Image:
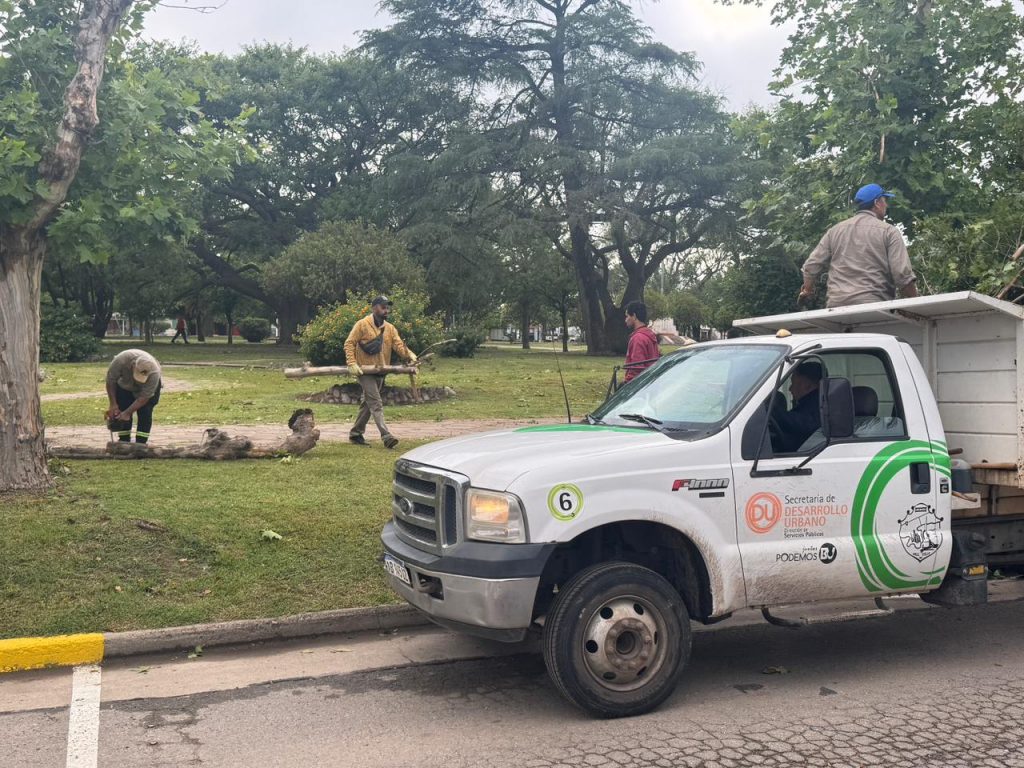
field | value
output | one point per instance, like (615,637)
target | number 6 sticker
(565,501)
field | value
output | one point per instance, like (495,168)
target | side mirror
(754,431)
(836,401)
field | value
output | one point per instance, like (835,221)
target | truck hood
(495,459)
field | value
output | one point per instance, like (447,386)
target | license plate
(397,568)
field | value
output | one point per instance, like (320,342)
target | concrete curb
(25,653)
(337,622)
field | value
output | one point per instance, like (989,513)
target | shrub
(322,340)
(65,337)
(254,329)
(466,341)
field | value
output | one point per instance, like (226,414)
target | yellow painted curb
(59,651)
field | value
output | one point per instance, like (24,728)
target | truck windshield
(695,389)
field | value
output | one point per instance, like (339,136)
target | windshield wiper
(650,421)
(592,419)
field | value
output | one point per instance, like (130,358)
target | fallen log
(342,370)
(216,445)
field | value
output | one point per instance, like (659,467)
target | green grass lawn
(142,544)
(500,382)
(77,559)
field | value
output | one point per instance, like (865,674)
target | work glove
(354,368)
(412,356)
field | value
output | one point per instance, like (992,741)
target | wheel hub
(621,643)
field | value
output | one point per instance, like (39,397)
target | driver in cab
(804,417)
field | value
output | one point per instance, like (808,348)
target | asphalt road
(920,689)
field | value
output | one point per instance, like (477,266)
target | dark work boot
(357,439)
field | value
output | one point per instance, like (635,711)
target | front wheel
(617,639)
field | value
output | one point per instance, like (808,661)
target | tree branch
(59,166)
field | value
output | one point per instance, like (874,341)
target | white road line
(84,720)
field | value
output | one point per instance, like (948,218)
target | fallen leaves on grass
(196,653)
(270,535)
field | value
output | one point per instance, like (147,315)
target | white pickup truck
(686,496)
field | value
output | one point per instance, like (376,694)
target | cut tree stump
(216,445)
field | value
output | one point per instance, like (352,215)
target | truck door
(860,517)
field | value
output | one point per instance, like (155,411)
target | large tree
(340,260)
(921,96)
(153,151)
(337,138)
(596,132)
(37,168)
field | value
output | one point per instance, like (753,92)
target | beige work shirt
(866,259)
(366,330)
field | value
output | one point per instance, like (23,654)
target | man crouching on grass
(133,387)
(370,343)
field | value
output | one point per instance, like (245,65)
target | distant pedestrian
(133,388)
(865,256)
(369,344)
(181,330)
(642,349)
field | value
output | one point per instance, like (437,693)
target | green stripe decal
(876,569)
(577,428)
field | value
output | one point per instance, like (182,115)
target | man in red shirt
(643,343)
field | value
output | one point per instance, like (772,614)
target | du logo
(763,511)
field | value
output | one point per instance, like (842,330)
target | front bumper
(485,589)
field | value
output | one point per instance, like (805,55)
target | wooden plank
(999,479)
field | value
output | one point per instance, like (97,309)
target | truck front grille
(426,504)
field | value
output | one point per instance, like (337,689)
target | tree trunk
(200,326)
(216,445)
(616,334)
(524,325)
(101,320)
(564,312)
(230,317)
(22,250)
(289,316)
(22,450)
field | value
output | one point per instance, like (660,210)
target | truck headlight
(494,516)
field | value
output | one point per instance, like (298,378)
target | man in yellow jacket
(370,343)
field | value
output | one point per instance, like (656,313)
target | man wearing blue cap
(865,256)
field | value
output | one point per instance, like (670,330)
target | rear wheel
(617,639)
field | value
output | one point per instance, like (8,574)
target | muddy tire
(617,639)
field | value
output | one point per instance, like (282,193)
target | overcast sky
(738,45)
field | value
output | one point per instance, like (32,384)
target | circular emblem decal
(565,501)
(763,511)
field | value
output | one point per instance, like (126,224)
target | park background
(507,165)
